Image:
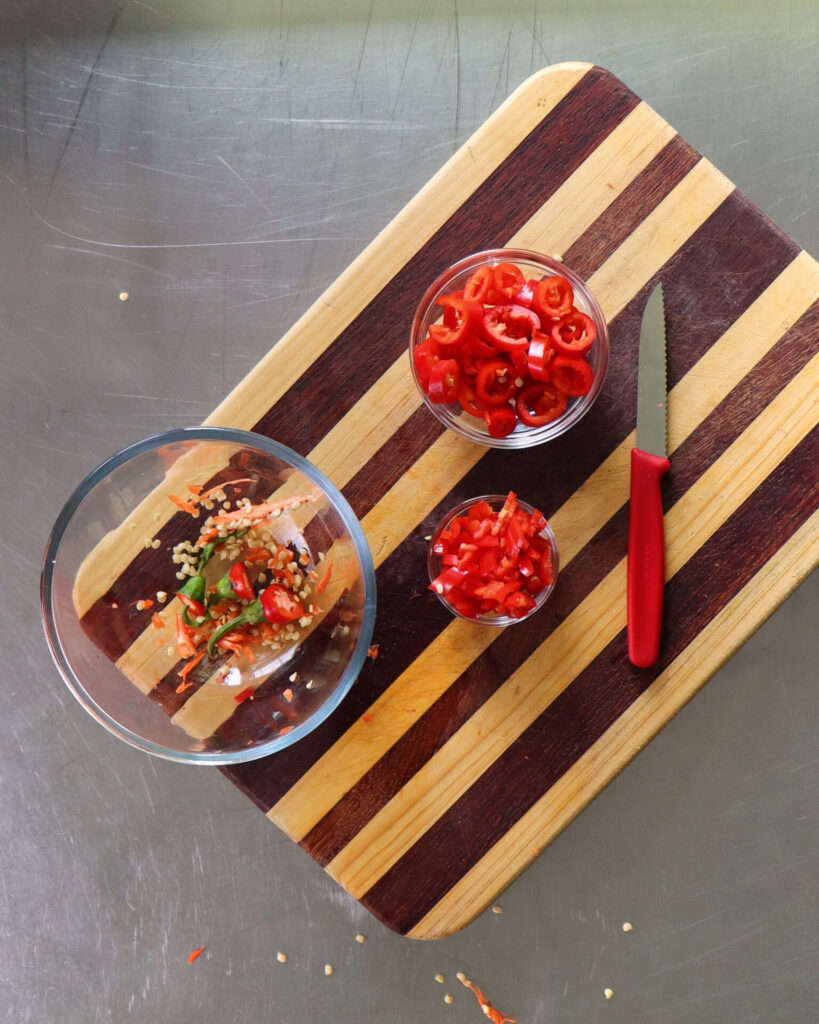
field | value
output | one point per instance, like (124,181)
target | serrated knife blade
(646,539)
(651,379)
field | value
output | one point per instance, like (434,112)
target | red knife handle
(646,558)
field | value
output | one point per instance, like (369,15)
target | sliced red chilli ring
(468,399)
(508,279)
(573,334)
(540,403)
(444,381)
(573,377)
(495,382)
(509,327)
(553,298)
(540,355)
(479,284)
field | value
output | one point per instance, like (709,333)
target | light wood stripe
(394,246)
(375,417)
(635,728)
(573,645)
(418,491)
(594,503)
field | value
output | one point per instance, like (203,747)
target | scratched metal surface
(222,168)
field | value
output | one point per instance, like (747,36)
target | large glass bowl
(533,266)
(110,609)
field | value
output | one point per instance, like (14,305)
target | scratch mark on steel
(239,178)
(112,24)
(363,46)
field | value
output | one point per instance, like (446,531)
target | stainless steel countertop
(222,164)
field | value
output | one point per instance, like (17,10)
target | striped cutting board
(463,751)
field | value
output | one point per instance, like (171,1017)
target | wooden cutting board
(462,751)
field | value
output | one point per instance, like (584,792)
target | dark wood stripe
(392,460)
(631,207)
(514,646)
(500,205)
(596,698)
(547,476)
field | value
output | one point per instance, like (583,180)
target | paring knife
(646,539)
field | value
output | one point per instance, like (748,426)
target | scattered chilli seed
(497,909)
(627,926)
(447,998)
(360,939)
(607,992)
(281,958)
(328,969)
(440,979)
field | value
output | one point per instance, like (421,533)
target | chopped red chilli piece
(196,953)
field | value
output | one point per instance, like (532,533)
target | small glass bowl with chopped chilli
(493,560)
(509,348)
(208,595)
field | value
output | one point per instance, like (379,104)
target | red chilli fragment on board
(196,953)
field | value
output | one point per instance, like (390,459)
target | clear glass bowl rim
(535,435)
(233,436)
(496,620)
